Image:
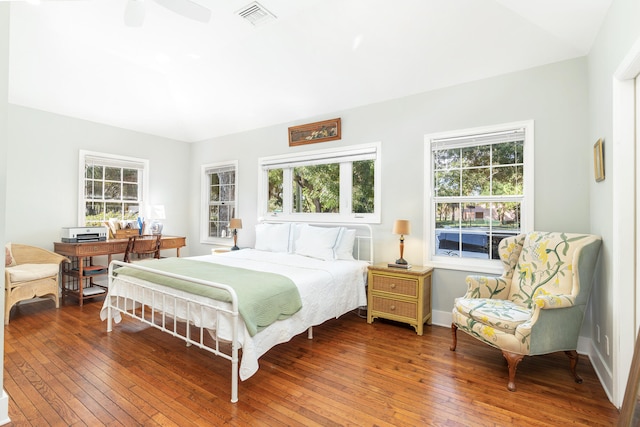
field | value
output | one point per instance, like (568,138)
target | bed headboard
(363,246)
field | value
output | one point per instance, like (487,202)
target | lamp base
(234,248)
(156,228)
(401,261)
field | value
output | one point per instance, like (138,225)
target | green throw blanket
(263,297)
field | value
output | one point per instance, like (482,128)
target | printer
(84,234)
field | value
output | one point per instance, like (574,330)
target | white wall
(618,33)
(554,96)
(42,172)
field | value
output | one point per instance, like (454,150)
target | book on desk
(401,266)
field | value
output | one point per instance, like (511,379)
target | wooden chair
(33,272)
(143,246)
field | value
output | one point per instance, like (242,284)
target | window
(219,195)
(480,190)
(341,185)
(111,187)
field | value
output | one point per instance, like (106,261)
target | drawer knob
(392,286)
(393,307)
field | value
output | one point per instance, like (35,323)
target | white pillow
(317,242)
(344,246)
(294,234)
(272,237)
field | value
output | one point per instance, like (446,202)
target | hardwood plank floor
(63,369)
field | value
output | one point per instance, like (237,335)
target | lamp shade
(157,212)
(402,226)
(235,223)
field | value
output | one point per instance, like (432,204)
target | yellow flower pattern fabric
(544,264)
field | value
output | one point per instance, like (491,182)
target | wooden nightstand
(400,295)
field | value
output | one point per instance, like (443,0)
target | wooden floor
(63,369)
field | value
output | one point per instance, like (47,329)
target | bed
(204,300)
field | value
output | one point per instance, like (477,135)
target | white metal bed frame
(192,334)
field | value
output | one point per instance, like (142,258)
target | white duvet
(328,289)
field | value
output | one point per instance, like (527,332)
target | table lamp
(235,223)
(402,227)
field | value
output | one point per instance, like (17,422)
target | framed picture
(327,130)
(598,160)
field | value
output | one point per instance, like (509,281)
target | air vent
(256,14)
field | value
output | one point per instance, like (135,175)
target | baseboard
(585,347)
(441,318)
(603,372)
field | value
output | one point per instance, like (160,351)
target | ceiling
(190,81)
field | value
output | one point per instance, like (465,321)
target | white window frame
(527,206)
(204,191)
(342,155)
(110,160)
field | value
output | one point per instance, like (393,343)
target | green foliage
(485,170)
(316,188)
(363,186)
(276,177)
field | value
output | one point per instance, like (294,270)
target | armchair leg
(454,343)
(573,362)
(512,361)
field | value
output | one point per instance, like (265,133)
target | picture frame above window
(598,160)
(326,130)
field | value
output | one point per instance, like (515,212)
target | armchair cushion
(503,315)
(28,272)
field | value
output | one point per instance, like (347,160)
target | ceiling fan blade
(188,9)
(134,13)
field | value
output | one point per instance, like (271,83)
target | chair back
(143,245)
(550,264)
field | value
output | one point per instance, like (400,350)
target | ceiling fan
(135,11)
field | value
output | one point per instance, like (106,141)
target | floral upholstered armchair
(537,305)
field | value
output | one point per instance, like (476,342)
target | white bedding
(328,289)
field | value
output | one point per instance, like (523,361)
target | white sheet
(328,289)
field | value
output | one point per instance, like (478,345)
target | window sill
(485,267)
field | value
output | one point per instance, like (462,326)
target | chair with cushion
(30,272)
(538,304)
(142,246)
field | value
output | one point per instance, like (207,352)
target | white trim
(82,158)
(527,224)
(623,279)
(204,200)
(316,156)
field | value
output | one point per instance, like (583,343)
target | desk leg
(178,252)
(80,279)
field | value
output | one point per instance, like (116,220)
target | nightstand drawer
(395,285)
(394,307)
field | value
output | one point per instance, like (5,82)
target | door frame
(624,277)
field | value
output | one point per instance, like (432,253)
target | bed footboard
(193,320)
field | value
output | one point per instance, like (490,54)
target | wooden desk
(79,273)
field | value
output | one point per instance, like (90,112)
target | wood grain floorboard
(63,369)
